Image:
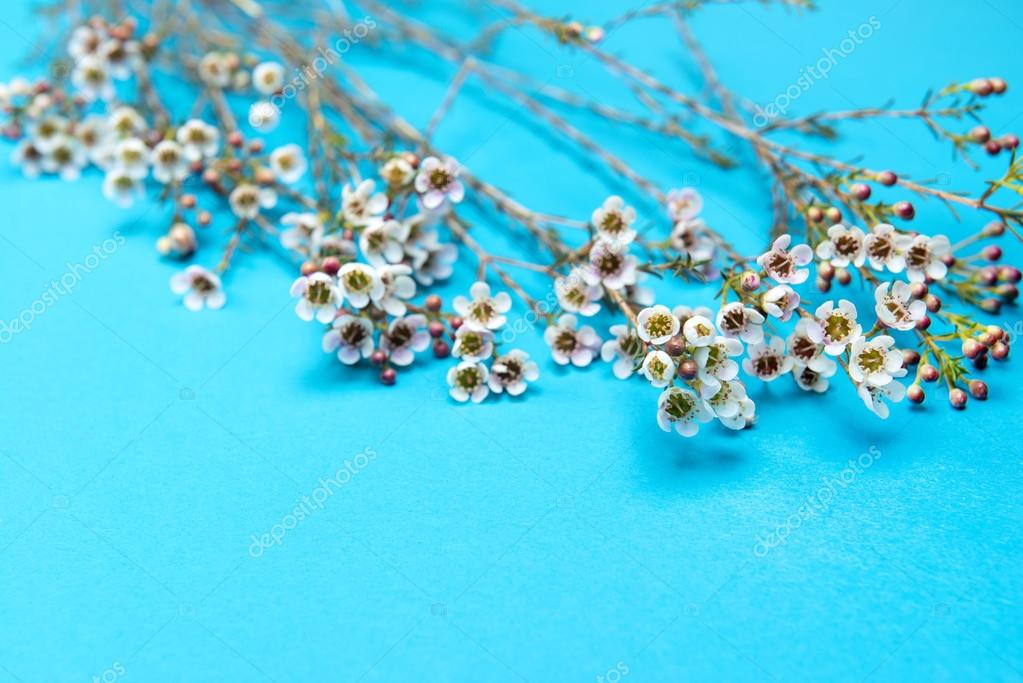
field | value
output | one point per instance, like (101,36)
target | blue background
(553,538)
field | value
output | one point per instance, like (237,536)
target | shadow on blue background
(557,538)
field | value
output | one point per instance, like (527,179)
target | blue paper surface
(563,536)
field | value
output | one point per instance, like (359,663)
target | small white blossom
(264,116)
(656,324)
(894,308)
(690,237)
(246,200)
(437,181)
(214,69)
(91,78)
(169,162)
(576,295)
(397,172)
(29,158)
(699,330)
(875,361)
(361,205)
(288,163)
(122,187)
(768,361)
(884,247)
(738,320)
(747,412)
(780,301)
(809,353)
(784,264)
(92,134)
(434,262)
(48,132)
(809,379)
(200,288)
(472,344)
(351,337)
(483,311)
(714,362)
(320,297)
(511,371)
(924,257)
(727,400)
(199,139)
(682,410)
(268,77)
(132,156)
(844,246)
(873,397)
(625,349)
(610,265)
(126,122)
(613,220)
(468,380)
(84,41)
(684,204)
(66,159)
(571,345)
(383,241)
(360,284)
(658,368)
(398,288)
(121,56)
(304,231)
(836,328)
(405,337)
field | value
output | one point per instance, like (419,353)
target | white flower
(303,232)
(923,257)
(571,345)
(511,371)
(91,79)
(836,328)
(122,56)
(656,324)
(333,245)
(727,400)
(84,41)
(483,311)
(894,308)
(264,116)
(699,330)
(658,368)
(843,246)
(684,204)
(214,69)
(320,297)
(575,295)
(714,362)
(405,337)
(199,139)
(359,205)
(884,247)
(809,379)
(873,396)
(66,159)
(351,337)
(200,287)
(268,77)
(125,122)
(689,237)
(682,410)
(169,163)
(360,284)
(747,410)
(92,133)
(784,264)
(397,172)
(625,349)
(383,241)
(398,287)
(737,320)
(472,344)
(468,380)
(875,362)
(29,158)
(809,353)
(132,156)
(780,301)
(288,163)
(613,220)
(434,262)
(48,132)
(768,361)
(437,181)
(246,200)
(610,265)
(121,187)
